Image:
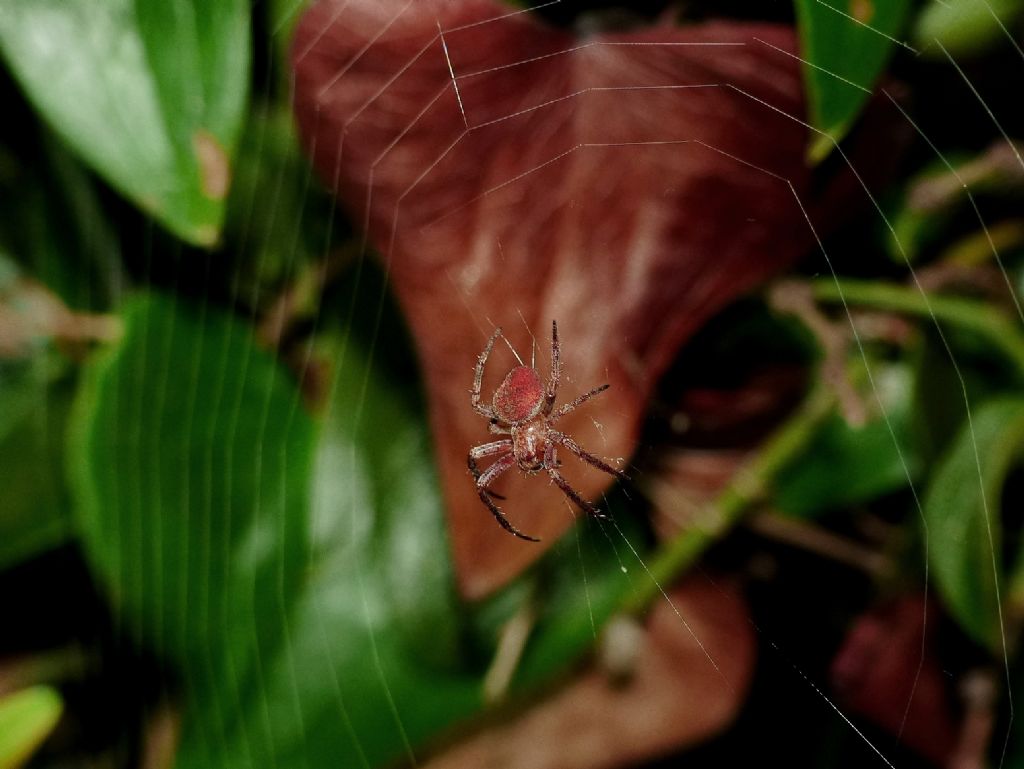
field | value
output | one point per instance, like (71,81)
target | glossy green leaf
(26,719)
(844,466)
(965,27)
(846,45)
(962,512)
(150,94)
(190,458)
(349,690)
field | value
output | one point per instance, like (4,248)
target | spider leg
(486,450)
(550,464)
(556,370)
(492,472)
(578,402)
(478,377)
(586,456)
(502,520)
(574,495)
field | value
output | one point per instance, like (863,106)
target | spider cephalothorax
(523,407)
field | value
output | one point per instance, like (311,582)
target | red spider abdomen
(520,396)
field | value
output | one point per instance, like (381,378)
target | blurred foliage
(190,443)
(248,484)
(36,394)
(848,464)
(26,718)
(151,95)
(151,175)
(846,44)
(965,28)
(961,510)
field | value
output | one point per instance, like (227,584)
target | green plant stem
(994,326)
(747,489)
(753,482)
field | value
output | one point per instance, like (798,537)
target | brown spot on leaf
(160,740)
(214,165)
(862,10)
(626,189)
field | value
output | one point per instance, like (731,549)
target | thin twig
(748,488)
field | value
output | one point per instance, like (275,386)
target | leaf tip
(27,718)
(820,146)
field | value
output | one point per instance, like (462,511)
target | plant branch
(747,489)
(994,326)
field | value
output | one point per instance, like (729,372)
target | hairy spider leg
(492,472)
(478,378)
(578,402)
(586,456)
(556,370)
(487,450)
(550,463)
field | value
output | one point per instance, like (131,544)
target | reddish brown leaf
(626,189)
(675,697)
(876,675)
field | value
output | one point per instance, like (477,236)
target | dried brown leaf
(628,190)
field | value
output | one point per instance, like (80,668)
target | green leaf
(26,719)
(962,512)
(285,233)
(282,18)
(34,504)
(150,94)
(373,661)
(966,27)
(846,465)
(190,457)
(846,45)
(80,259)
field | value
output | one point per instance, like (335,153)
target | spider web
(223,737)
(615,534)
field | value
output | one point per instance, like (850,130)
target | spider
(523,407)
